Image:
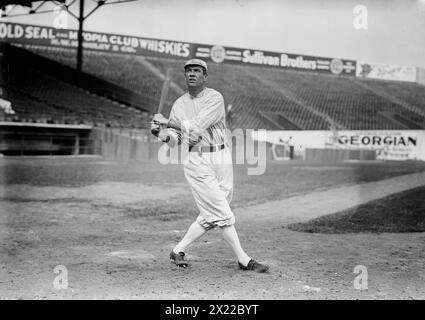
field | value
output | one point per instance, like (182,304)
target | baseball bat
(164,90)
(163,97)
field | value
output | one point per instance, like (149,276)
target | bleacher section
(122,70)
(248,96)
(239,88)
(351,105)
(293,95)
(37,96)
(269,98)
(27,109)
(410,95)
(47,98)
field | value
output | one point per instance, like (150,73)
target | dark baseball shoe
(254,266)
(178,259)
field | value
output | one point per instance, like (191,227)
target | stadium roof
(25,3)
(81,17)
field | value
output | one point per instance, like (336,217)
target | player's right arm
(170,135)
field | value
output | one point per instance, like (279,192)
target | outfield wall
(388,144)
(116,144)
(30,139)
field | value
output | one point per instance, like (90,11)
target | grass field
(112,224)
(401,212)
(281,179)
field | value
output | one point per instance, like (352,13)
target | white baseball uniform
(210,174)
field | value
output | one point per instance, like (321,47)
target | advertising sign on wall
(385,72)
(389,144)
(66,38)
(219,54)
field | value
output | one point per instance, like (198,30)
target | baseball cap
(196,62)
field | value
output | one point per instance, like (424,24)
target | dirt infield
(112,226)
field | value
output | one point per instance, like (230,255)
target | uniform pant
(210,176)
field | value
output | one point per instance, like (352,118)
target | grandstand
(269,98)
(41,93)
(123,70)
(261,97)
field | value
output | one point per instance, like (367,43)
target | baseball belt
(207,148)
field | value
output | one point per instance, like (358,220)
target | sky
(395,31)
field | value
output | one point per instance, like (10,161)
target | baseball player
(197,119)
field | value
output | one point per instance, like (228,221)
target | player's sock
(194,232)
(231,237)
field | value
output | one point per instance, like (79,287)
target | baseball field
(111,226)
